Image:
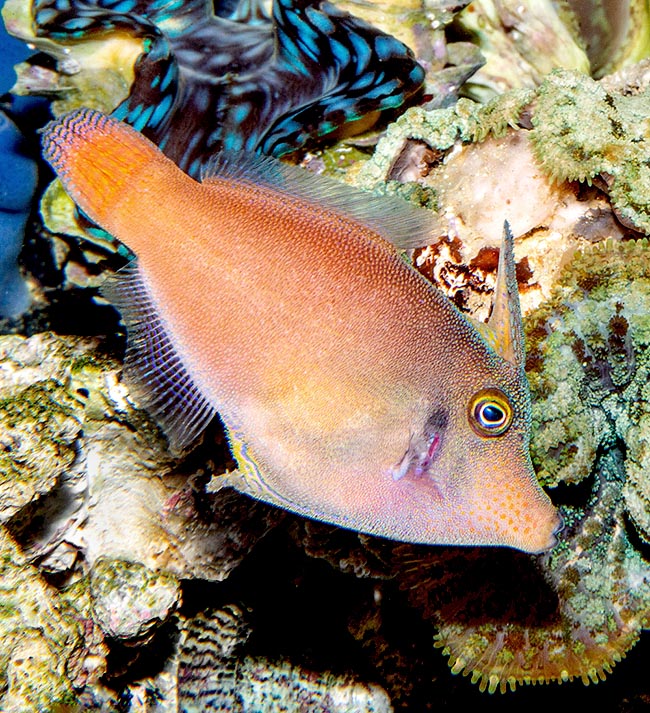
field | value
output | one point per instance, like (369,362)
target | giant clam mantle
(239,79)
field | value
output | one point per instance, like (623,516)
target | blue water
(11,52)
(18,178)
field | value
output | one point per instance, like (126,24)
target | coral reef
(130,600)
(468,161)
(571,615)
(581,607)
(81,460)
(613,149)
(587,360)
(119,570)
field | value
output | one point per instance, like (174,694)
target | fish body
(352,390)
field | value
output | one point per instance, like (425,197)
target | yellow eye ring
(490,413)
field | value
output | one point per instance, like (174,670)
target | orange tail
(98,159)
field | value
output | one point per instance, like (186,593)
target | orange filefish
(352,390)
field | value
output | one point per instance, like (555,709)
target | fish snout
(543,536)
(555,532)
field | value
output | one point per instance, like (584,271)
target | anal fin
(153,369)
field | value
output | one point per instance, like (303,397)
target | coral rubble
(43,652)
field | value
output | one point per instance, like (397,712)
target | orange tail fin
(98,158)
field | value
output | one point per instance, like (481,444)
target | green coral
(581,131)
(500,114)
(588,361)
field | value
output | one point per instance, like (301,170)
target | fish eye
(490,412)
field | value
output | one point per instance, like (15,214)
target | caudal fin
(98,159)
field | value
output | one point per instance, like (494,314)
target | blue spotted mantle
(241,79)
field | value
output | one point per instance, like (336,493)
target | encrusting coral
(615,148)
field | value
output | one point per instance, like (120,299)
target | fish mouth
(554,536)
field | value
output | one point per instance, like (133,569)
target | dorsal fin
(404,225)
(153,369)
(504,330)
